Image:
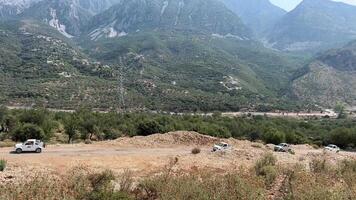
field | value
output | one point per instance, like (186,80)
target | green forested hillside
(158,55)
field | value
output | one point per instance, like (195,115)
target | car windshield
(331,146)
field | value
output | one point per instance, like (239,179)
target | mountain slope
(11,8)
(185,55)
(315,25)
(331,78)
(67,16)
(130,16)
(259,15)
(38,66)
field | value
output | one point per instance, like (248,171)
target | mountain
(186,55)
(11,8)
(330,78)
(174,55)
(259,15)
(38,66)
(130,16)
(67,16)
(315,25)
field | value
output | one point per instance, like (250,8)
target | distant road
(331,114)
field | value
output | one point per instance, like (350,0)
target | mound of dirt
(186,138)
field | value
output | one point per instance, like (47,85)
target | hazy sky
(290,4)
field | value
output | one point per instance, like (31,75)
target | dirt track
(149,155)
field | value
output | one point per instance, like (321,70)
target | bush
(111,134)
(266,168)
(2,165)
(196,151)
(28,131)
(269,173)
(319,166)
(267,160)
(148,127)
(273,136)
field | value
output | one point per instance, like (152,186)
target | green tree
(71,127)
(28,131)
(340,110)
(273,136)
(148,127)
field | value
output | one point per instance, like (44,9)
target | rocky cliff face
(204,16)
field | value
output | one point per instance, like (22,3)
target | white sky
(291,4)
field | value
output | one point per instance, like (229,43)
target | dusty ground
(149,155)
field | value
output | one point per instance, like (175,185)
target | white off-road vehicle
(283,147)
(31,145)
(332,147)
(221,147)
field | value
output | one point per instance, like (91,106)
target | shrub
(7,143)
(2,165)
(126,181)
(266,168)
(267,160)
(319,166)
(148,127)
(196,151)
(273,136)
(269,173)
(28,131)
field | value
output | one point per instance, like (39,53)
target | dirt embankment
(146,156)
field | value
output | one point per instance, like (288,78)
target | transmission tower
(121,88)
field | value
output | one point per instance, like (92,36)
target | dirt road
(149,155)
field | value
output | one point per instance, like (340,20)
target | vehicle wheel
(18,150)
(38,150)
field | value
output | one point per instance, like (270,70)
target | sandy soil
(149,155)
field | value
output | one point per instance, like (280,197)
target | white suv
(30,146)
(221,147)
(332,147)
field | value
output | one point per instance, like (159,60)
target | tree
(148,127)
(273,136)
(28,131)
(340,110)
(70,127)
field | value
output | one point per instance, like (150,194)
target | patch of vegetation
(2,164)
(84,124)
(266,167)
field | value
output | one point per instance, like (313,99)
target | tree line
(85,125)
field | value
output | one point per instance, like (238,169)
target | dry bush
(7,143)
(201,186)
(319,166)
(196,151)
(266,167)
(126,181)
(303,184)
(78,183)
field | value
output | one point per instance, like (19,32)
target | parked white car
(221,147)
(332,147)
(30,146)
(283,147)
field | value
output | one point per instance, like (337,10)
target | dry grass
(321,182)
(7,143)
